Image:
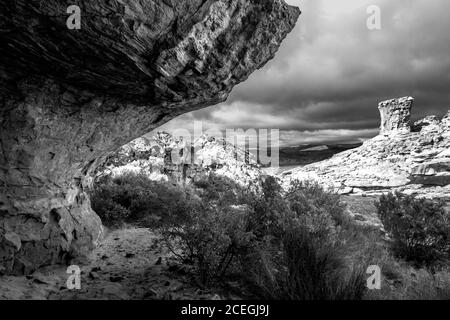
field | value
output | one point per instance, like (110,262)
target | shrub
(107,202)
(311,200)
(135,198)
(267,210)
(309,270)
(218,189)
(419,228)
(212,239)
(303,259)
(110,212)
(212,233)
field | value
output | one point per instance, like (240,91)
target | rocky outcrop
(413,160)
(71,97)
(162,157)
(395,115)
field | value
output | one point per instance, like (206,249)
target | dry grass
(400,280)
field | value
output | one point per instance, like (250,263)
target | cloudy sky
(330,73)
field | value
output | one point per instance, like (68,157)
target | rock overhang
(146,52)
(68,98)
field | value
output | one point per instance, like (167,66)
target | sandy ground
(129,264)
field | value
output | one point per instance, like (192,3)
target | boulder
(429,123)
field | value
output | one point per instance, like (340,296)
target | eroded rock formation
(162,157)
(412,159)
(395,115)
(71,97)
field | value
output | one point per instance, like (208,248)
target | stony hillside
(162,157)
(411,158)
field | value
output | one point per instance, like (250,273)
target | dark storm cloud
(331,71)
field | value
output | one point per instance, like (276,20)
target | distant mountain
(318,148)
(307,154)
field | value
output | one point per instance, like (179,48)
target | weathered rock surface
(71,97)
(162,157)
(395,115)
(415,162)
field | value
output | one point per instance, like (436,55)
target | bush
(419,228)
(312,200)
(136,199)
(212,239)
(306,269)
(105,201)
(213,232)
(293,245)
(219,190)
(302,260)
(267,210)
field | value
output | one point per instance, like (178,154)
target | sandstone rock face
(415,162)
(446,121)
(395,115)
(164,158)
(71,97)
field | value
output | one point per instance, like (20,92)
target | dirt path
(129,264)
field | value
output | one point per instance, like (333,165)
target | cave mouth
(53,141)
(69,98)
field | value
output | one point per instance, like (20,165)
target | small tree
(211,231)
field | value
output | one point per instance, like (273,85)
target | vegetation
(211,232)
(296,244)
(420,228)
(301,257)
(134,198)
